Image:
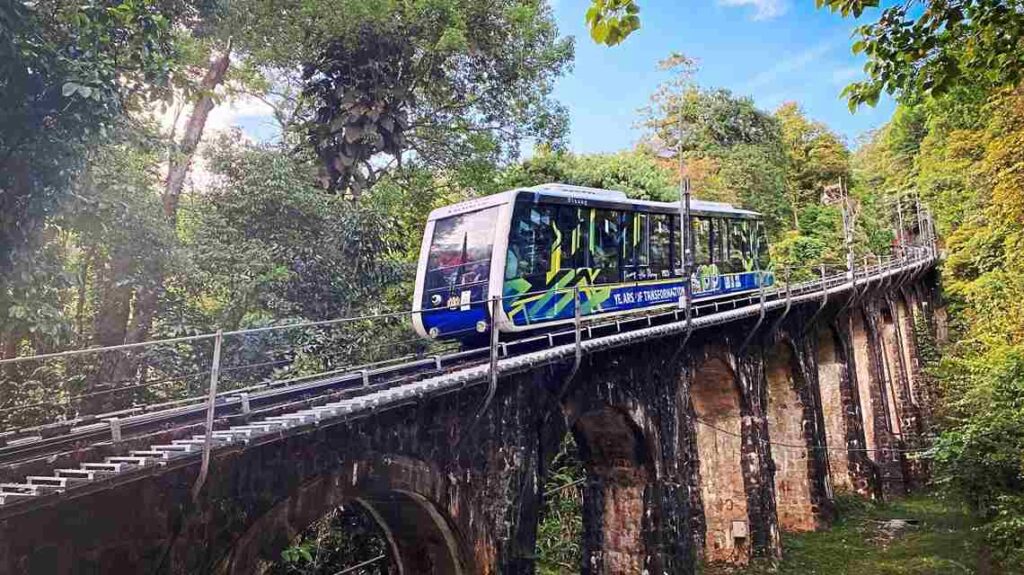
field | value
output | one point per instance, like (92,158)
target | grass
(942,543)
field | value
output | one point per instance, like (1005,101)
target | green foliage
(560,530)
(712,120)
(733,151)
(815,157)
(943,542)
(611,21)
(927,47)
(638,173)
(961,152)
(343,538)
(252,258)
(749,175)
(69,70)
(440,83)
(980,457)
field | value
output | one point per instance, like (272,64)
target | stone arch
(715,396)
(394,491)
(835,405)
(615,456)
(789,430)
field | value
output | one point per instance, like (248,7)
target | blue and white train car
(533,246)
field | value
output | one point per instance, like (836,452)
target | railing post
(789,304)
(211,408)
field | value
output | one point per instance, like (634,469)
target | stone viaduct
(710,451)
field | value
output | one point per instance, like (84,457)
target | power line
(811,447)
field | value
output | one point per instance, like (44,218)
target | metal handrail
(799,293)
(788,288)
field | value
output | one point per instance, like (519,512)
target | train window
(460,250)
(740,254)
(604,245)
(642,239)
(661,245)
(701,241)
(530,241)
(635,247)
(761,239)
(719,242)
(629,247)
(573,236)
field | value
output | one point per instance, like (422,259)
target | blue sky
(771,50)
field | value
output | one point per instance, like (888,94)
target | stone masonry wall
(703,451)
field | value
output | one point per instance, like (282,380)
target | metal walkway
(267,415)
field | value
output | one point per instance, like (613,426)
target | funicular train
(534,246)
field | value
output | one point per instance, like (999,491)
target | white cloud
(763,9)
(228,114)
(843,76)
(789,65)
(225,115)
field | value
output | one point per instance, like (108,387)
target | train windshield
(459,258)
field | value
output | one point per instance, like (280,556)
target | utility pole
(848,223)
(685,230)
(921,235)
(899,223)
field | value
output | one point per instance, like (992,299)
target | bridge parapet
(662,446)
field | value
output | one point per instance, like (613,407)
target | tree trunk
(148,297)
(82,293)
(113,305)
(110,325)
(182,156)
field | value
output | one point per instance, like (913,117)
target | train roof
(597,195)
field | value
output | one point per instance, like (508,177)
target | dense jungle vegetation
(123,219)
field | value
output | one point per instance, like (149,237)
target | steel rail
(231,402)
(465,375)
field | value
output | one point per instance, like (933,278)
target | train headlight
(435,300)
(481,326)
(433,332)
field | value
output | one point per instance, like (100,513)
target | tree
(926,47)
(611,21)
(815,158)
(732,151)
(69,69)
(253,260)
(711,119)
(637,172)
(960,152)
(439,84)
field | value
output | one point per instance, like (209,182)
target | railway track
(49,466)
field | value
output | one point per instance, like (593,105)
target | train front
(454,271)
